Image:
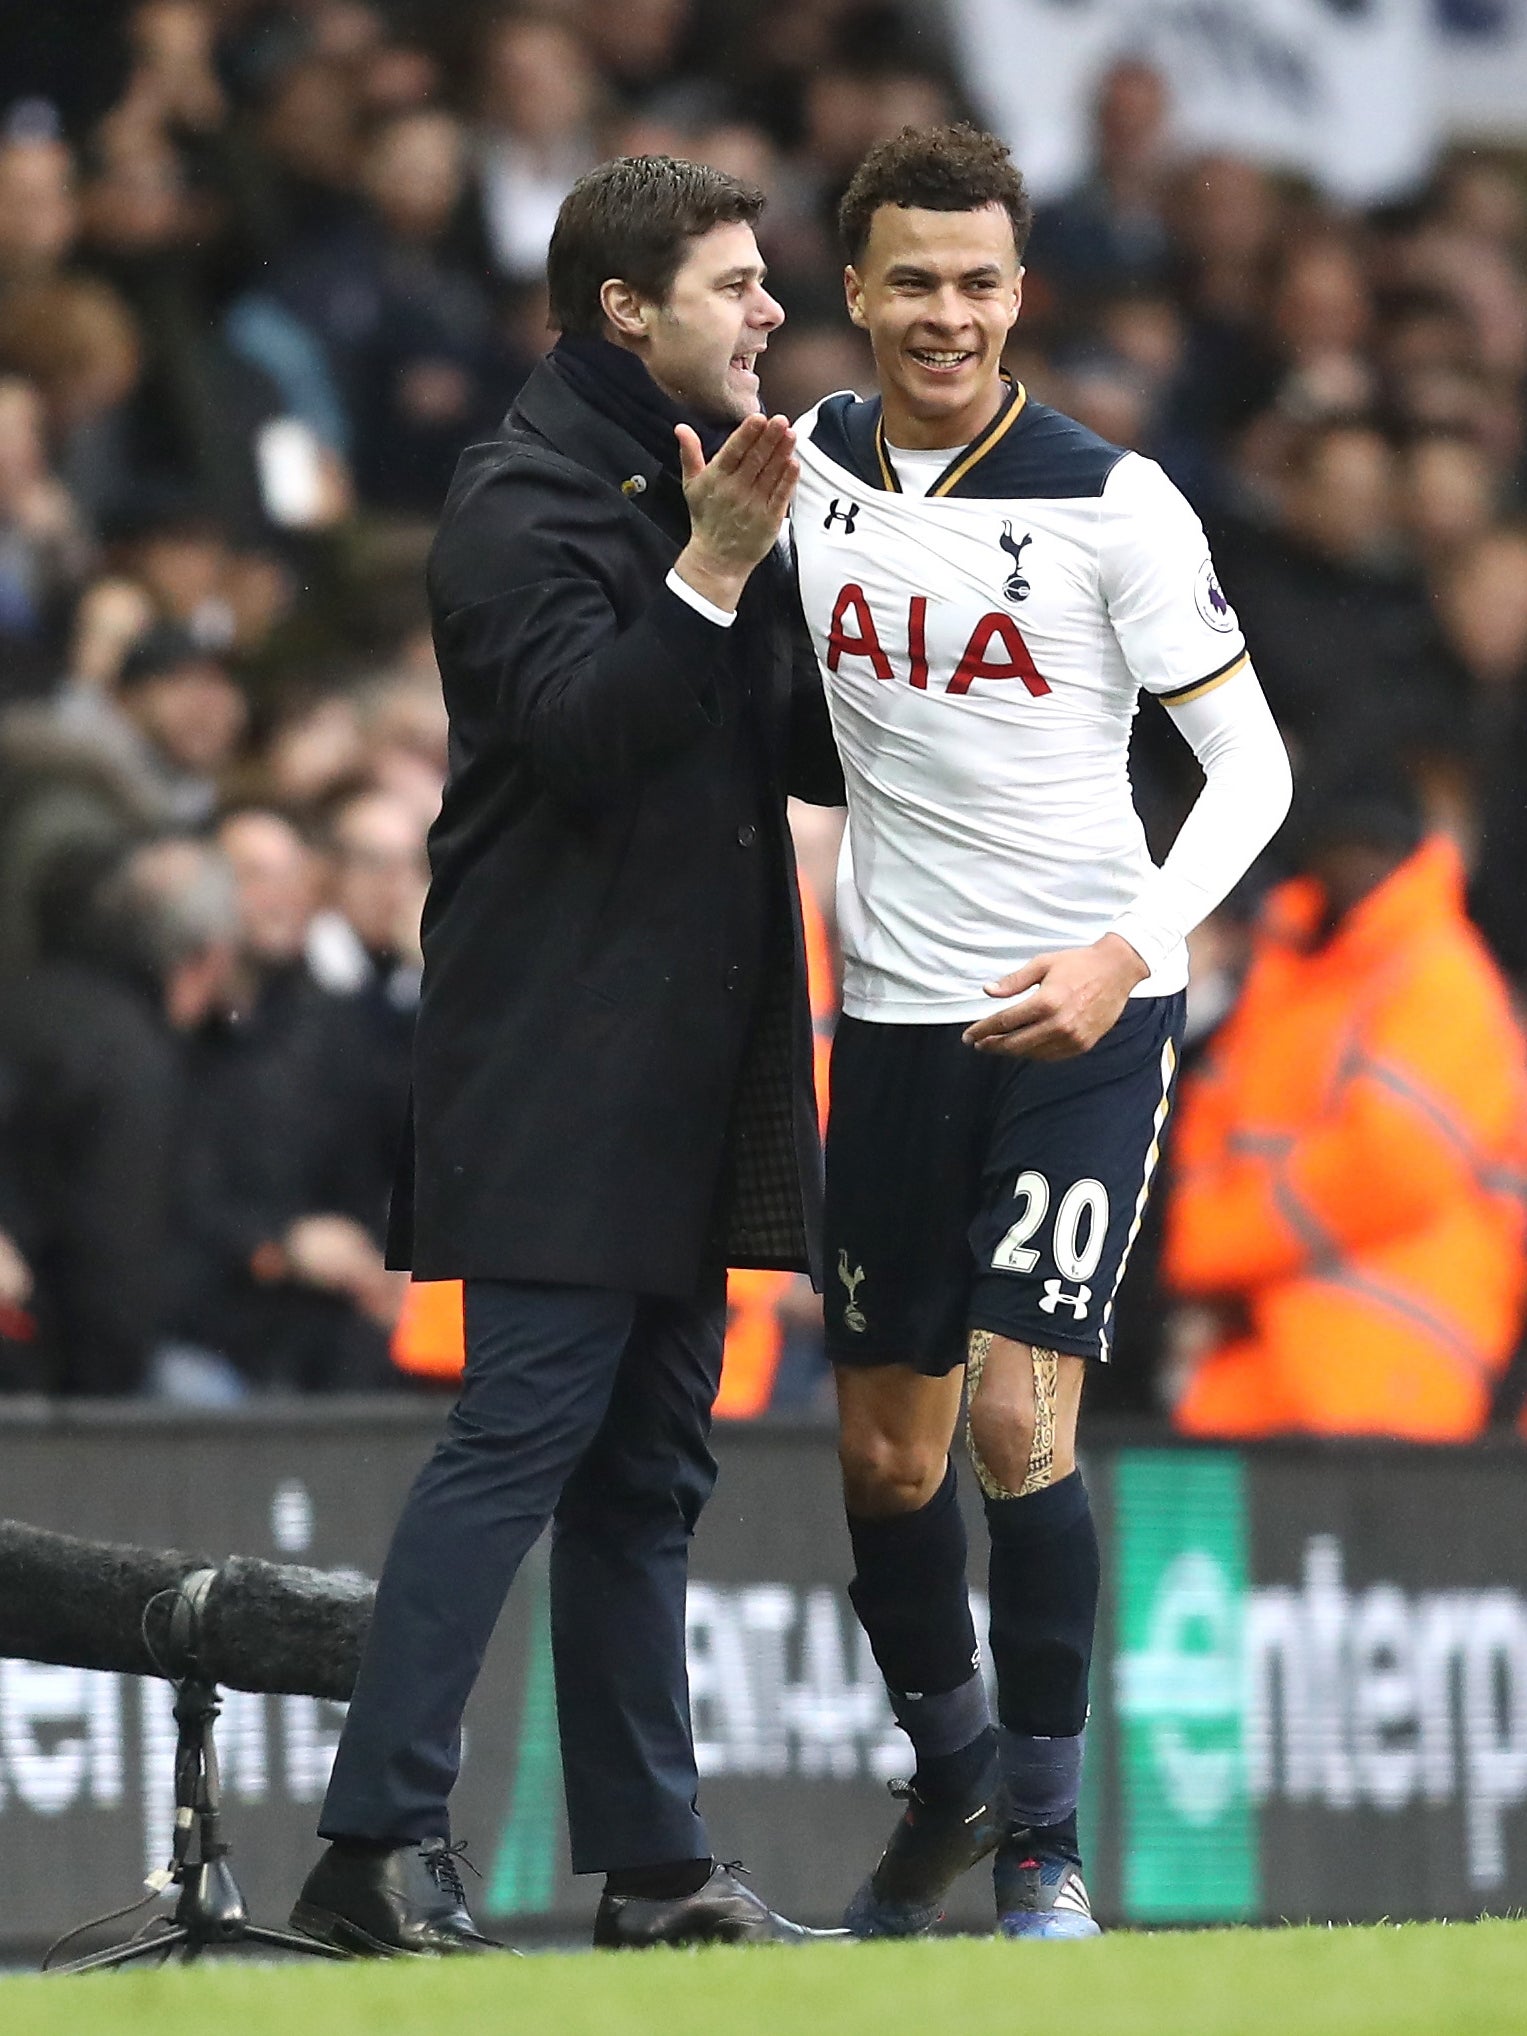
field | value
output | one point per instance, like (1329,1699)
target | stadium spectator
(408,329)
(638,45)
(1449,498)
(79,345)
(43,548)
(806,359)
(1346,645)
(308,128)
(314,747)
(1110,234)
(364,945)
(39,215)
(281,1272)
(1227,219)
(172,724)
(1347,1216)
(1321,319)
(89,1036)
(369,934)
(404,727)
(540,97)
(160,224)
(1483,606)
(868,91)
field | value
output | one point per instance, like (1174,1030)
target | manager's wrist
(718,581)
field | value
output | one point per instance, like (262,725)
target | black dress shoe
(721,1912)
(406,1901)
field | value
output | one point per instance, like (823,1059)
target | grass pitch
(1418,1980)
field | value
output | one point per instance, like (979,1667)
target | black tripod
(211,1914)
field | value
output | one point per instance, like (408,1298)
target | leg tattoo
(1042,1450)
(975,1366)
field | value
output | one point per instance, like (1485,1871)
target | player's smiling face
(702,343)
(937,293)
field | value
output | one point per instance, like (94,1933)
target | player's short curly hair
(935,169)
(634,218)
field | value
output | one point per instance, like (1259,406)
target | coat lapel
(559,414)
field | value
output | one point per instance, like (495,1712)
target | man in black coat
(612,1087)
(92,1049)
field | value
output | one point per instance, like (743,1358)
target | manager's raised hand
(737,502)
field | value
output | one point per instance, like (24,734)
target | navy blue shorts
(971,1191)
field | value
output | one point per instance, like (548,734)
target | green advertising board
(1189,1831)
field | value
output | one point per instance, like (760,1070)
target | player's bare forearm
(1064,1004)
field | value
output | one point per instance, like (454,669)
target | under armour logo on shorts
(1056,1297)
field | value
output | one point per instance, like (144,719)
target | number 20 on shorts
(1076,1254)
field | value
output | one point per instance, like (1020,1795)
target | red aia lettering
(976,665)
(840,644)
(852,608)
(917,640)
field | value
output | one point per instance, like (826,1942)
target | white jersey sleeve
(1177,632)
(1247,790)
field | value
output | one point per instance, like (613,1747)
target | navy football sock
(1043,1776)
(1044,1598)
(910,1593)
(945,1777)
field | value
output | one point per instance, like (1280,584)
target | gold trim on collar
(888,478)
(976,451)
(999,427)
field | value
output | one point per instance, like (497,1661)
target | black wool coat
(612,1068)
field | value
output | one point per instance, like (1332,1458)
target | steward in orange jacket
(1348,1162)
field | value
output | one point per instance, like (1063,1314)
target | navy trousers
(591,1410)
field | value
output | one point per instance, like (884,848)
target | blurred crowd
(266,265)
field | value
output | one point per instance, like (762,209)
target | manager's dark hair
(634,218)
(934,169)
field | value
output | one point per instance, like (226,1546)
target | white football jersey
(983,649)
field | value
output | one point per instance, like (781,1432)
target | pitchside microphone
(244,1623)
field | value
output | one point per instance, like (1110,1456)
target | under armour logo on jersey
(1055,1297)
(837,514)
(853,1314)
(1016,587)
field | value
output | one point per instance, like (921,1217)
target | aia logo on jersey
(995,649)
(1016,587)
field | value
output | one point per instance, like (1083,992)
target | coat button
(733,975)
(747,834)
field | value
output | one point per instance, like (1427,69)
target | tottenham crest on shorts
(853,1314)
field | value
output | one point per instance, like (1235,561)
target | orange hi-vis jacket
(1349,1172)
(430,1338)
(754,1333)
